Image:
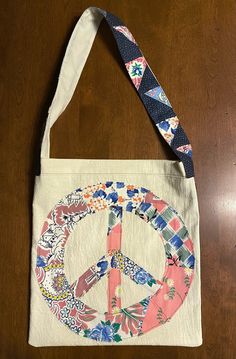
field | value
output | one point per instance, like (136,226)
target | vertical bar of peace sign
(113,264)
(166,294)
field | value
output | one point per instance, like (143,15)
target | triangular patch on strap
(123,30)
(187,149)
(168,128)
(158,94)
(136,70)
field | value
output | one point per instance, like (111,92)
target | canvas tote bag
(115,252)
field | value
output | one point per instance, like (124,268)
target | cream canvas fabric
(103,208)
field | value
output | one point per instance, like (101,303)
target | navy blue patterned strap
(151,93)
(141,75)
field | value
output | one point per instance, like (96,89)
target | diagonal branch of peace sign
(166,294)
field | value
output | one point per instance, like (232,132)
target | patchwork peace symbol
(64,298)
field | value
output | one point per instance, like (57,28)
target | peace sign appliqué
(64,298)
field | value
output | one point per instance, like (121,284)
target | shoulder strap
(145,82)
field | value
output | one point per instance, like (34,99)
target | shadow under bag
(115,250)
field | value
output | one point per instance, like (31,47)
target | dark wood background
(190,46)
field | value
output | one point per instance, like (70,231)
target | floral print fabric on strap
(166,294)
(150,91)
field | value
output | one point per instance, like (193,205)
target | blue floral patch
(103,267)
(120,184)
(132,192)
(41,261)
(164,125)
(100,193)
(129,207)
(113,197)
(141,277)
(104,331)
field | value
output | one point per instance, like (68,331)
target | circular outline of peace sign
(166,295)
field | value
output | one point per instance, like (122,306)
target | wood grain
(190,46)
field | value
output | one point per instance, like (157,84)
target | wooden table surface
(190,46)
